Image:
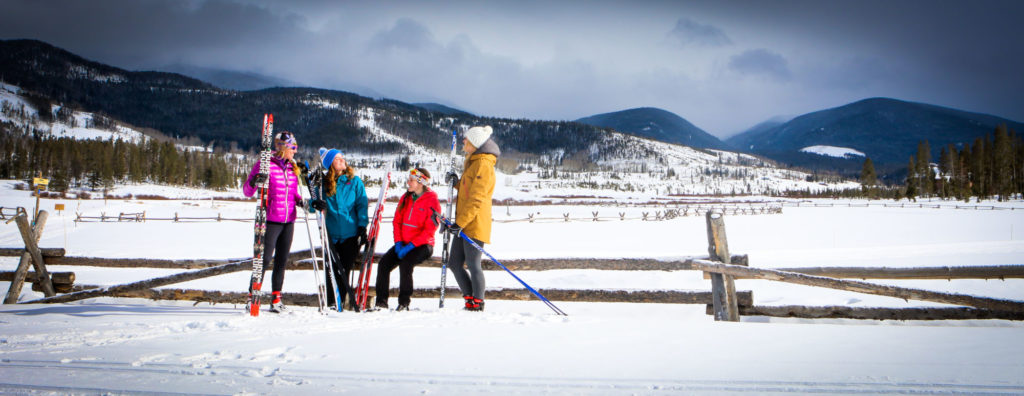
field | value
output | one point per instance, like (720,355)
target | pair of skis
(446,244)
(363,287)
(256,281)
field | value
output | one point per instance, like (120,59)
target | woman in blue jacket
(344,206)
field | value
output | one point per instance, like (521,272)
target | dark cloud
(406,34)
(688,33)
(761,62)
(567,59)
(135,34)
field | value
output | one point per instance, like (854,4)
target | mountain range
(656,124)
(883,129)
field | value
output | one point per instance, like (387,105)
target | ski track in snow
(279,380)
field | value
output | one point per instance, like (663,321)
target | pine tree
(978,169)
(912,180)
(1002,161)
(868,179)
(924,169)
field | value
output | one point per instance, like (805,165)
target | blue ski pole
(547,302)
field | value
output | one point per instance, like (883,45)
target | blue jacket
(346,210)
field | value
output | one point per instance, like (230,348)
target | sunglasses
(288,145)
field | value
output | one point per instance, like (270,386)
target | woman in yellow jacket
(473,213)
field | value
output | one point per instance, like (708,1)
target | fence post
(21,273)
(723,287)
(32,248)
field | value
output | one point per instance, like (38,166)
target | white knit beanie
(478,135)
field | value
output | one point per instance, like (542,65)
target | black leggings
(388,263)
(277,243)
(343,255)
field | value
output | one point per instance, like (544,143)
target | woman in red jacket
(414,227)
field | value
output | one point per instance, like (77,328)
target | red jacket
(414,221)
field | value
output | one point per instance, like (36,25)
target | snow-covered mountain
(565,158)
(657,124)
(886,130)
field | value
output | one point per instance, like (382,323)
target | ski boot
(475,304)
(276,306)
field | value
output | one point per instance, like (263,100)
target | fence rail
(658,215)
(895,205)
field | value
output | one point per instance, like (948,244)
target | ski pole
(448,212)
(481,249)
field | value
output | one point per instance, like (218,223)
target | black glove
(451,178)
(454,229)
(361,233)
(300,203)
(319,204)
(257,180)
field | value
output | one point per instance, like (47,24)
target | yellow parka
(473,205)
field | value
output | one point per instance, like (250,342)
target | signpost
(40,184)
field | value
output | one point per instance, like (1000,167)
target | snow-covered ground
(109,345)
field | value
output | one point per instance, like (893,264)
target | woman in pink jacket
(283,197)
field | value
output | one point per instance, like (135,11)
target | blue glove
(405,250)
(398,248)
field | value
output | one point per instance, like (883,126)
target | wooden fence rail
(844,312)
(310,299)
(861,287)
(948,273)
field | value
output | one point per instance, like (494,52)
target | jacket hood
(489,147)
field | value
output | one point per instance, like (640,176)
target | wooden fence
(722,268)
(595,215)
(914,205)
(725,307)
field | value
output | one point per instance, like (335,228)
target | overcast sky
(722,65)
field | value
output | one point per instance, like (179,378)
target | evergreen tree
(1002,162)
(978,169)
(912,180)
(868,179)
(924,169)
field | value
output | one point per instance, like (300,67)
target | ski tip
(254,310)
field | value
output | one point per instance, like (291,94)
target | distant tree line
(71,163)
(992,167)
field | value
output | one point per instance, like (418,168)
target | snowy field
(114,346)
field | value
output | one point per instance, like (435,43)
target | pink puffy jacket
(283,190)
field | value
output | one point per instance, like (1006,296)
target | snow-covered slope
(622,167)
(80,125)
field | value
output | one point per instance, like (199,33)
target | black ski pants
(277,243)
(343,256)
(405,265)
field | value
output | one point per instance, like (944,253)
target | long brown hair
(331,184)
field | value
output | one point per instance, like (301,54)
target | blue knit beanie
(327,156)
